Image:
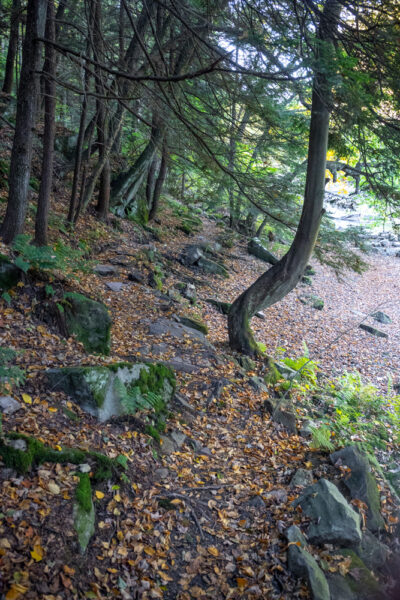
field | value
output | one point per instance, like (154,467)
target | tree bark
(280,279)
(159,184)
(42,215)
(21,154)
(12,47)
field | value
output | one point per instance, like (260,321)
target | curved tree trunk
(280,279)
(21,154)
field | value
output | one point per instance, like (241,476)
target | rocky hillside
(142,459)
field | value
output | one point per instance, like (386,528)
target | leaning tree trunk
(49,67)
(12,47)
(21,154)
(280,279)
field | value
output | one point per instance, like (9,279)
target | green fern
(133,399)
(10,375)
(45,258)
(321,438)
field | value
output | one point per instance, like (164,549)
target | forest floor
(211,537)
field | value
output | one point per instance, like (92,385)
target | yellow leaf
(37,553)
(58,448)
(241,583)
(213,550)
(149,550)
(99,494)
(15,591)
(53,488)
(26,398)
(176,501)
(53,409)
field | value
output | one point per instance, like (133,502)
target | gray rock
(258,384)
(10,274)
(115,286)
(161,473)
(285,371)
(373,330)
(193,324)
(279,496)
(372,552)
(9,405)
(284,416)
(256,248)
(136,276)
(381,317)
(89,321)
(105,270)
(333,521)
(339,589)
(213,267)
(361,483)
(168,327)
(302,478)
(191,255)
(189,292)
(102,391)
(256,502)
(167,445)
(18,444)
(178,438)
(303,565)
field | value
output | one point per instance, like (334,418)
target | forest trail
(203,519)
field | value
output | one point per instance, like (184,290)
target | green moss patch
(37,453)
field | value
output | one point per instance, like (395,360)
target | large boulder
(89,321)
(361,483)
(256,248)
(10,274)
(302,564)
(358,584)
(113,390)
(333,520)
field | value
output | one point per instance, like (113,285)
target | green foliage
(10,375)
(60,257)
(321,438)
(306,369)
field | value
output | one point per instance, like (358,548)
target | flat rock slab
(115,286)
(256,248)
(105,270)
(333,520)
(373,330)
(177,330)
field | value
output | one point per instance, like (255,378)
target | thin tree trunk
(159,184)
(21,154)
(46,182)
(12,47)
(280,279)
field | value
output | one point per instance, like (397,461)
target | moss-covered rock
(361,483)
(114,390)
(194,324)
(84,513)
(10,274)
(212,266)
(359,579)
(89,320)
(256,248)
(223,307)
